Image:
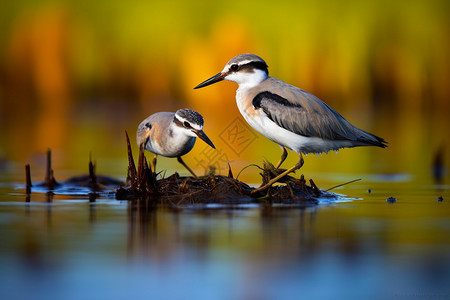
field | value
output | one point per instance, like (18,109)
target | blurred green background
(74,75)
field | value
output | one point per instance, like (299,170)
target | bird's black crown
(190,115)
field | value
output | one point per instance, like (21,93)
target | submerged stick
(131,165)
(28,179)
(49,181)
(93,183)
(141,168)
(92,176)
(49,166)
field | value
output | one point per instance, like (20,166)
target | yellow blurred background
(74,75)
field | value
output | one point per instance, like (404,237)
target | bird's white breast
(170,142)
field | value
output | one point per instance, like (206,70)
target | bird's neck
(247,89)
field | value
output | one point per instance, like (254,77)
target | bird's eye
(187,125)
(234,67)
(148,125)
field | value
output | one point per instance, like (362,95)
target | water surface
(73,247)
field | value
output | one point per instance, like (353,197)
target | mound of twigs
(142,183)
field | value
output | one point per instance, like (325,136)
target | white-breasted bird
(288,115)
(171,134)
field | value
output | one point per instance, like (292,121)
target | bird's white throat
(247,79)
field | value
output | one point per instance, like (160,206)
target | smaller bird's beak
(214,79)
(201,134)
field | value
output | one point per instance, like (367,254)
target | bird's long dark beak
(214,79)
(201,134)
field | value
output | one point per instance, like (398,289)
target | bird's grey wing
(303,113)
(158,123)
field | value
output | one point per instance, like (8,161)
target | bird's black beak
(201,134)
(214,79)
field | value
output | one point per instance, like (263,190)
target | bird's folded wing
(305,115)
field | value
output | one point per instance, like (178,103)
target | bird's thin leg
(186,166)
(297,166)
(154,163)
(283,158)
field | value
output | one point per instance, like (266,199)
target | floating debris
(391,200)
(369,191)
(440,199)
